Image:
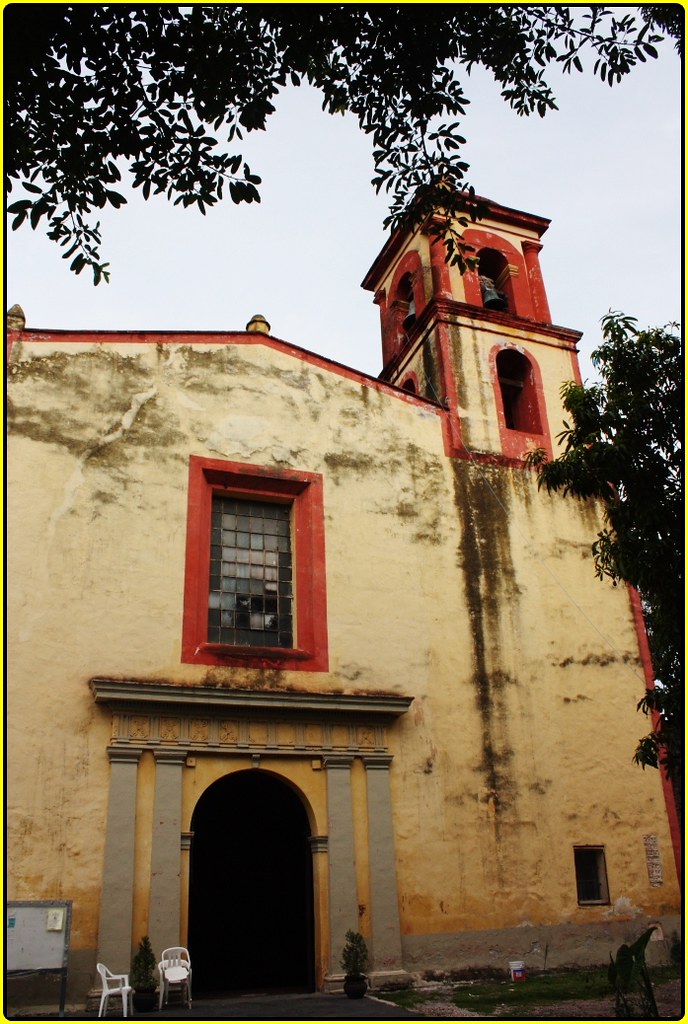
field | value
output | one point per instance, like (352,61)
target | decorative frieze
(197,719)
(246,734)
(169,730)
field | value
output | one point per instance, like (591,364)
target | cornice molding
(463,314)
(503,215)
(135,694)
(465,311)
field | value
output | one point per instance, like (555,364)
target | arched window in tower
(495,280)
(518,392)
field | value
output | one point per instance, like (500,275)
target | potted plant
(354,962)
(142,978)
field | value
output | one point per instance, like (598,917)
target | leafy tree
(623,446)
(169,91)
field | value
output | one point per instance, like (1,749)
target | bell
(410,318)
(492,297)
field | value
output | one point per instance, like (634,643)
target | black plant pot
(144,1002)
(355,986)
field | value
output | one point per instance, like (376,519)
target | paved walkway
(298,1007)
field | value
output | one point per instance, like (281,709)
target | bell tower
(481,344)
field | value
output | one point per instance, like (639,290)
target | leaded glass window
(250,599)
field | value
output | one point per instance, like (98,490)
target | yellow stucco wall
(455,583)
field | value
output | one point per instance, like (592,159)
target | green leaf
(640,945)
(37,211)
(22,205)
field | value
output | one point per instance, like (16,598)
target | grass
(484,997)
(547,988)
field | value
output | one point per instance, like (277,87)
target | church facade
(294,650)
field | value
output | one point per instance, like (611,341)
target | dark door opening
(251,887)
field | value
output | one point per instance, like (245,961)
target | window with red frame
(255,567)
(517,388)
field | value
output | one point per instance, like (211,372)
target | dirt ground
(669,998)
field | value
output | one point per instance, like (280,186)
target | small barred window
(251,597)
(591,874)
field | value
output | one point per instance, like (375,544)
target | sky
(605,168)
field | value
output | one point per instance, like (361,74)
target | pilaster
(531,250)
(164,919)
(117,895)
(343,907)
(386,951)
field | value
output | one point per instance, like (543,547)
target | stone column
(343,902)
(164,916)
(117,894)
(386,953)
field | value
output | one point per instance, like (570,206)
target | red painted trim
(538,294)
(215,338)
(471,288)
(441,280)
(54,337)
(394,336)
(304,491)
(410,377)
(12,338)
(410,263)
(648,672)
(453,445)
(516,218)
(452,436)
(380,300)
(515,443)
(495,211)
(504,323)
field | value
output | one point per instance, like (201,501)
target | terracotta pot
(355,986)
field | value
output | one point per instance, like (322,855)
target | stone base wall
(41,992)
(543,947)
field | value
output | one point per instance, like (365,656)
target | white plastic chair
(175,973)
(114,984)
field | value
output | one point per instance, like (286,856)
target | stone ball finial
(258,324)
(16,320)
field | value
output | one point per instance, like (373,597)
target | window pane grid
(250,596)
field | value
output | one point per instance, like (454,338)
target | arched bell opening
(408,303)
(495,280)
(251,916)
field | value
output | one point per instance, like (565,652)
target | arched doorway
(251,887)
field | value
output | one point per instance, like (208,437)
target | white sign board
(37,934)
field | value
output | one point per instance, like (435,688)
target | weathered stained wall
(451,581)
